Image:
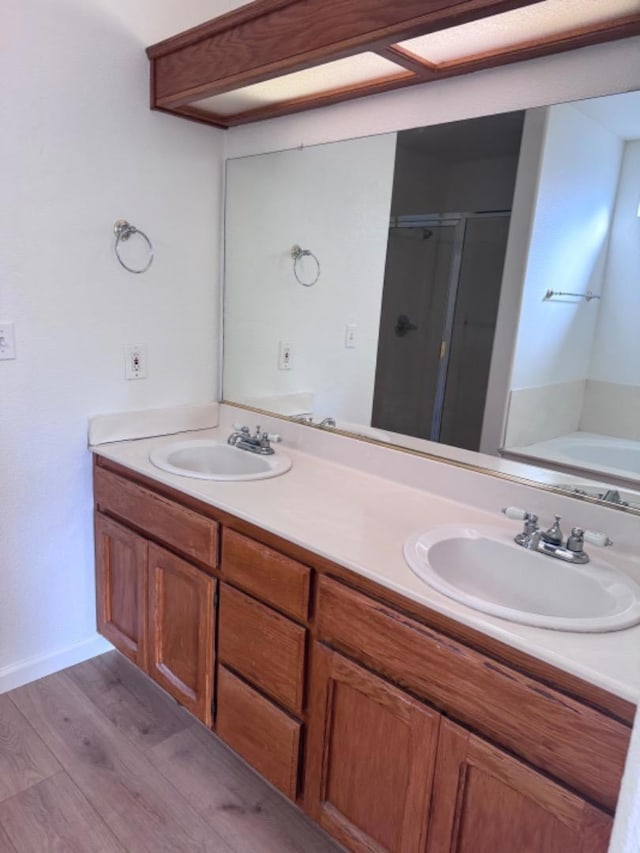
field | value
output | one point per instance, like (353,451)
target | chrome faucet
(325,423)
(612,496)
(551,542)
(260,442)
(531,532)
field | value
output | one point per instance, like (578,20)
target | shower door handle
(404,325)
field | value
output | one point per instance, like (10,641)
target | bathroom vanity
(393,724)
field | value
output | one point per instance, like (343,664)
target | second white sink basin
(206,459)
(483,568)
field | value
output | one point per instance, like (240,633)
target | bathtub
(624,456)
(584,452)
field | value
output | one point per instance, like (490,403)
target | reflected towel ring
(296,253)
(123,230)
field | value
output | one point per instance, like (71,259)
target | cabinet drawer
(571,741)
(262,734)
(177,526)
(266,648)
(270,576)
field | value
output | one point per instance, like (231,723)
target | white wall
(333,200)
(79,149)
(616,354)
(612,392)
(497,398)
(577,184)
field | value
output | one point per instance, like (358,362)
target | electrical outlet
(7,341)
(135,361)
(285,356)
(350,335)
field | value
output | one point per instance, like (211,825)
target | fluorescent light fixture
(529,24)
(361,68)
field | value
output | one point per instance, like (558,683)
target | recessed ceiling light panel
(362,68)
(539,22)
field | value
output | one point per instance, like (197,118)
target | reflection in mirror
(428,321)
(450,209)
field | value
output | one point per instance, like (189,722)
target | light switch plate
(135,363)
(285,356)
(7,341)
(350,336)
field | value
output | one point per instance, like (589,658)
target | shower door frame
(459,222)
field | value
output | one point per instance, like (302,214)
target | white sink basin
(214,460)
(483,568)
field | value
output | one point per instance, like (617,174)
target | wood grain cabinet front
(581,747)
(262,646)
(371,758)
(266,574)
(486,801)
(385,772)
(177,526)
(121,588)
(181,635)
(264,735)
(158,610)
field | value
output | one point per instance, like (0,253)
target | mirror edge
(468,466)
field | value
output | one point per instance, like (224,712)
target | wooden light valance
(320,52)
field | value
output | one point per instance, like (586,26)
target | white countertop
(361,520)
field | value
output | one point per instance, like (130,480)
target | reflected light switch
(350,336)
(7,341)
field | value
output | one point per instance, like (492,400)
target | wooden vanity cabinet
(385,772)
(378,752)
(158,610)
(155,606)
(392,734)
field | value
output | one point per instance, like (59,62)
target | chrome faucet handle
(240,428)
(516,512)
(553,536)
(595,538)
(575,540)
(530,519)
(272,437)
(530,532)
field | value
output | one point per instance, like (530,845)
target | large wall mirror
(469,290)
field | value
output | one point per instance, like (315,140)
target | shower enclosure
(439,306)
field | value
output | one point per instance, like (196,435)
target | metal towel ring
(296,253)
(123,230)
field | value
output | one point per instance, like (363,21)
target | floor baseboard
(24,671)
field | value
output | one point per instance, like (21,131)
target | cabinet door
(181,617)
(121,588)
(485,801)
(371,758)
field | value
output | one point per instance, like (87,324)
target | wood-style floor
(97,758)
